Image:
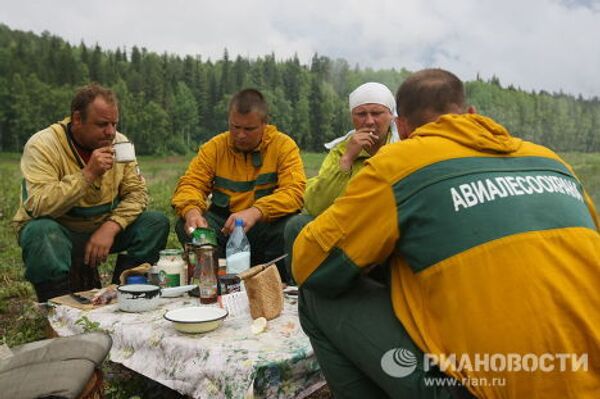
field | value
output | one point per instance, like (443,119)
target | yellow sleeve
(324,188)
(360,229)
(196,184)
(291,181)
(47,193)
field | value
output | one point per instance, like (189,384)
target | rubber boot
(82,276)
(123,263)
(51,289)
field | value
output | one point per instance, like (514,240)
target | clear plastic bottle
(237,250)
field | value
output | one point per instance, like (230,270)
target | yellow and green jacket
(53,185)
(323,189)
(493,245)
(271,178)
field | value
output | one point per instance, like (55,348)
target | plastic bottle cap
(239,222)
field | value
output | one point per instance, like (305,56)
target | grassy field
(22,322)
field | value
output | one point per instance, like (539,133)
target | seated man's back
(494,252)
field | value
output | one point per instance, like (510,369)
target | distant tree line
(171,104)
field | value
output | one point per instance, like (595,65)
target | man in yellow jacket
(494,252)
(372,110)
(254,173)
(78,205)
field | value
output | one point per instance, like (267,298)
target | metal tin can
(229,283)
(222,266)
(203,236)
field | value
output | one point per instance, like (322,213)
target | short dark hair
(87,94)
(427,92)
(249,100)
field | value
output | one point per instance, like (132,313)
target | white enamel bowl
(138,297)
(196,319)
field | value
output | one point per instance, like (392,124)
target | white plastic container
(138,297)
(237,250)
(172,269)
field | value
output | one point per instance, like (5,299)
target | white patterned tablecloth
(230,362)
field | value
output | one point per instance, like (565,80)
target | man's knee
(307,305)
(46,247)
(153,226)
(146,237)
(38,229)
(157,221)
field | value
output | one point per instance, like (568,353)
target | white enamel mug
(124,151)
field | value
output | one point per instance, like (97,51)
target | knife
(81,299)
(277,259)
(259,268)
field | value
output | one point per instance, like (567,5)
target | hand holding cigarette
(363,138)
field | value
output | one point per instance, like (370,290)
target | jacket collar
(268,135)
(471,130)
(62,130)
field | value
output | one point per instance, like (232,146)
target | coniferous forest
(169,104)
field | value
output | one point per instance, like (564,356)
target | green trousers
(266,239)
(357,340)
(48,247)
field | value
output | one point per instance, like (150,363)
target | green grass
(20,322)
(587,168)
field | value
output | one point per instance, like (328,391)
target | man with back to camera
(494,251)
(254,173)
(78,205)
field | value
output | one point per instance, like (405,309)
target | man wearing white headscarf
(372,108)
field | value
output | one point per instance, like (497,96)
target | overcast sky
(533,44)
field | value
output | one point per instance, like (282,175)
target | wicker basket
(265,291)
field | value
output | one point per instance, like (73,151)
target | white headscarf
(370,93)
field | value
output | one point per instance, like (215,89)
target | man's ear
(76,118)
(403,128)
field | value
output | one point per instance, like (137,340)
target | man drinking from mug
(78,205)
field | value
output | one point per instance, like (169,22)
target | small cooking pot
(138,297)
